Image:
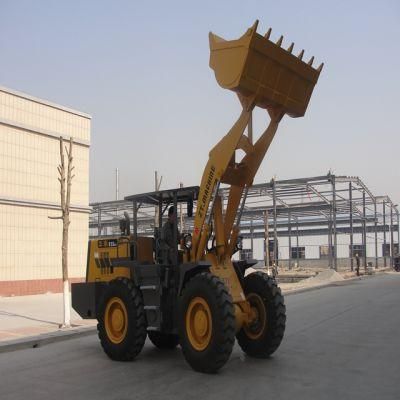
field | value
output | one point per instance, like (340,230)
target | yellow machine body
(255,67)
(102,251)
(172,294)
(262,74)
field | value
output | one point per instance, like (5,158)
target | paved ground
(27,316)
(341,343)
(24,316)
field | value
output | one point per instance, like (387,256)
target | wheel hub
(256,327)
(199,323)
(116,320)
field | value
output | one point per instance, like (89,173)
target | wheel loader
(199,297)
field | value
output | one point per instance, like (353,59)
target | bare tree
(65,180)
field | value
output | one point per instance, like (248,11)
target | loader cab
(151,210)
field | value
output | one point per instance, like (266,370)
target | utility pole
(116,184)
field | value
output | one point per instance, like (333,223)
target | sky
(140,69)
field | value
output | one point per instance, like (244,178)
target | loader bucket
(262,72)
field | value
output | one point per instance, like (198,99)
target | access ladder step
(148,287)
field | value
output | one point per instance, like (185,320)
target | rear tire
(121,320)
(163,340)
(262,338)
(206,323)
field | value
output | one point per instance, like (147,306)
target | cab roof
(166,196)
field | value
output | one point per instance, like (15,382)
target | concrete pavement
(27,316)
(340,343)
(36,319)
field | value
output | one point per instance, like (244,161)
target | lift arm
(264,75)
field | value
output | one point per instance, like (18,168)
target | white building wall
(30,242)
(312,246)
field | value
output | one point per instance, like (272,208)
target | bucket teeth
(268,34)
(265,71)
(319,69)
(255,25)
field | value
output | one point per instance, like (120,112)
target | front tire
(206,323)
(263,336)
(121,320)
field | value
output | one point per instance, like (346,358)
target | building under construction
(322,221)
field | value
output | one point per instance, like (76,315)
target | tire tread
(276,317)
(136,335)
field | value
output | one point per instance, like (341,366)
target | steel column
(251,238)
(330,263)
(160,216)
(391,236)
(290,240)
(376,235)
(334,224)
(384,233)
(351,227)
(398,232)
(175,233)
(135,228)
(266,239)
(364,234)
(297,241)
(275,232)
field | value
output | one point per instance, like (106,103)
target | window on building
(298,252)
(246,254)
(357,249)
(386,249)
(271,250)
(324,251)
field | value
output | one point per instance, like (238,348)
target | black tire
(212,291)
(260,339)
(163,340)
(134,337)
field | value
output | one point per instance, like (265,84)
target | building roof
(44,102)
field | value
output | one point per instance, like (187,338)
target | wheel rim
(199,323)
(116,320)
(255,329)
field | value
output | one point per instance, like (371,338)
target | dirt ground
(313,277)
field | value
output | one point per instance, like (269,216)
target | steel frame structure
(328,205)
